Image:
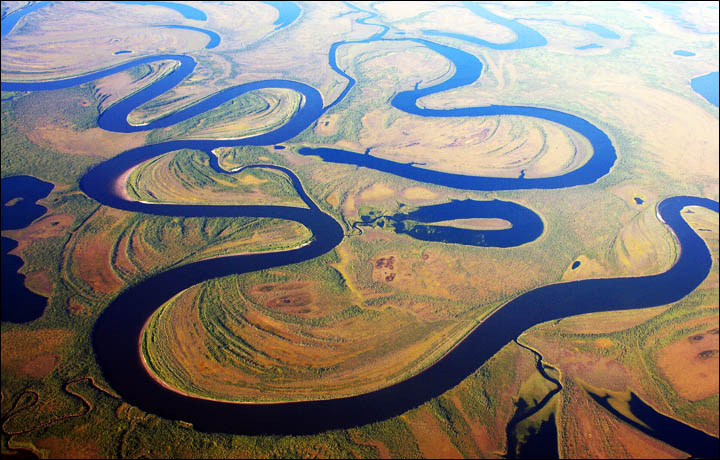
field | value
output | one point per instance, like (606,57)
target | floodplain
(380,306)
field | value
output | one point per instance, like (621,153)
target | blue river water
(526,226)
(601,31)
(118,329)
(695,442)
(468,69)
(8,22)
(597,29)
(526,37)
(187,11)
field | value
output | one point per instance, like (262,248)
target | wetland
(124,331)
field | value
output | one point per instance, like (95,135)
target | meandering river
(117,332)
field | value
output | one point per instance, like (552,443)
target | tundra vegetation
(381,306)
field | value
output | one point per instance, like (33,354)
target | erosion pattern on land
(118,329)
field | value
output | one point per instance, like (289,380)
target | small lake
(600,31)
(588,47)
(707,87)
(19,209)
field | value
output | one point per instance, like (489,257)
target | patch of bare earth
(431,439)
(91,142)
(68,448)
(32,353)
(40,283)
(46,227)
(691,363)
(41,366)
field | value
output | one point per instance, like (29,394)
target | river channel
(117,332)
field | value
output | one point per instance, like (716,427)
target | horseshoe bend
(442,229)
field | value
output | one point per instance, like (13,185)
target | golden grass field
(163,179)
(381,306)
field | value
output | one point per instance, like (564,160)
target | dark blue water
(679,435)
(30,190)
(542,443)
(214,37)
(575,264)
(115,337)
(123,52)
(683,53)
(19,305)
(468,69)
(707,87)
(119,327)
(639,200)
(115,118)
(588,47)
(526,225)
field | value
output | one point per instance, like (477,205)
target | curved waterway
(525,225)
(542,443)
(118,330)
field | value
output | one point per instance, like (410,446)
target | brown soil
(418,194)
(479,436)
(690,364)
(76,308)
(298,299)
(384,269)
(589,431)
(40,283)
(478,223)
(293,297)
(92,252)
(91,142)
(69,447)
(20,348)
(382,450)
(592,368)
(46,227)
(41,366)
(431,439)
